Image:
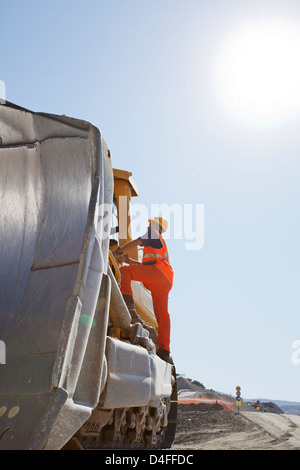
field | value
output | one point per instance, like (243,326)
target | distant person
(156,273)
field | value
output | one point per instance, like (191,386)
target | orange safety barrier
(226,404)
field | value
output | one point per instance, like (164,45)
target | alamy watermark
(185,221)
(2,352)
(2,92)
(296,354)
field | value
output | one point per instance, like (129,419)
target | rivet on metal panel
(13,412)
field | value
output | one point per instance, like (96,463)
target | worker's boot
(137,319)
(164,355)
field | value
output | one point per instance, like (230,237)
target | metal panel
(135,377)
(55,176)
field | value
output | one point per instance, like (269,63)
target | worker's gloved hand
(117,252)
(123,258)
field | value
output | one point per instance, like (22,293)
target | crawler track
(130,428)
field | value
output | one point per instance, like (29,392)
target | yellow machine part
(145,314)
(124,189)
(114,267)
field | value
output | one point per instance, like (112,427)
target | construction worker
(156,273)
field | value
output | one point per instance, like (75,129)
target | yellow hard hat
(161,222)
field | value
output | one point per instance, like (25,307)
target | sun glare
(258,72)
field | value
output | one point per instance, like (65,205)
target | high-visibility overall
(156,274)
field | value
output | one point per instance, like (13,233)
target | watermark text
(296,354)
(2,352)
(185,221)
(2,92)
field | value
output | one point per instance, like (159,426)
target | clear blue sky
(199,100)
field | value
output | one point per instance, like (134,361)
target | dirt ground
(219,429)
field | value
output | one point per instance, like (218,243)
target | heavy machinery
(77,373)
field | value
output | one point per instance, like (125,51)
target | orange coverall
(158,279)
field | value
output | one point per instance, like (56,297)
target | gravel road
(220,429)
